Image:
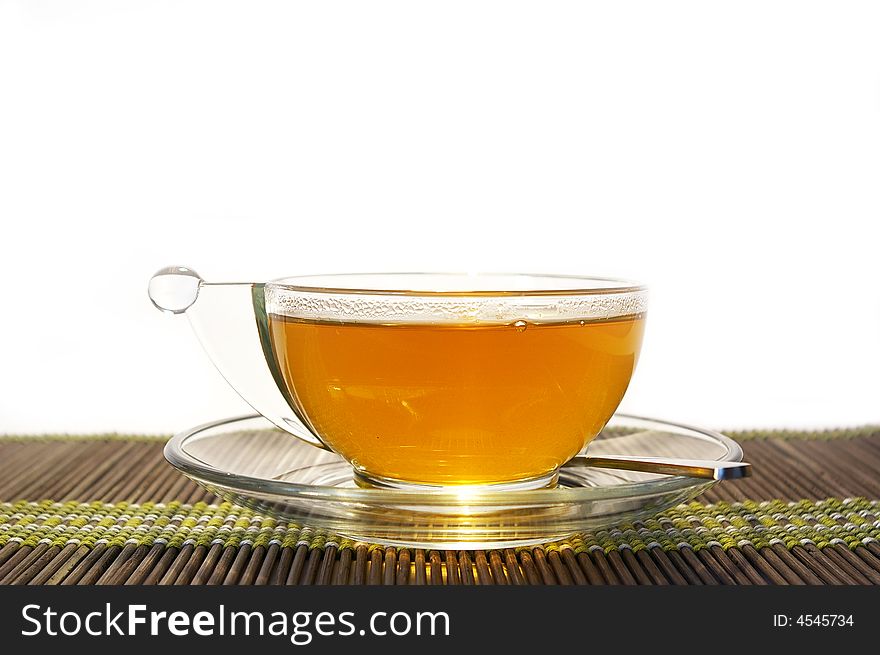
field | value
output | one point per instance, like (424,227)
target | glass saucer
(250,462)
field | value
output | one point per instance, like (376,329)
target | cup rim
(554,284)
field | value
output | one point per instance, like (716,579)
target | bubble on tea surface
(174,289)
(520,326)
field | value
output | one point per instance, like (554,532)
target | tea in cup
(427,379)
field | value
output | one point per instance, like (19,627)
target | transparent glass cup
(424,380)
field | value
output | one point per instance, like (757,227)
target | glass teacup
(425,379)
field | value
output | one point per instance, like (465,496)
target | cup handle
(230,322)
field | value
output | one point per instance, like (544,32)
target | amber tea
(455,404)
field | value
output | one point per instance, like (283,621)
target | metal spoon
(696,468)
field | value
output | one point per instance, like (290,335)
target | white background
(726,153)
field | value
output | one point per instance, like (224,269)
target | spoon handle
(695,468)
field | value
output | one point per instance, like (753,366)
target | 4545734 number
(813,621)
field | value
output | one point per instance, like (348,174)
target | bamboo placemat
(107,509)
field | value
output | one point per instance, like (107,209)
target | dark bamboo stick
(540,559)
(375,575)
(634,566)
(359,571)
(530,569)
(192,565)
(795,565)
(617,563)
(404,567)
(122,572)
(8,551)
(563,576)
(650,567)
(146,565)
(65,568)
(265,573)
(698,567)
(762,565)
(601,561)
(665,564)
(175,566)
(724,568)
(242,556)
(96,571)
(285,559)
(390,566)
(496,565)
(253,565)
(833,554)
(591,572)
(871,575)
(325,570)
(217,575)
(208,564)
(298,564)
(420,573)
(343,569)
(484,575)
(823,571)
(41,563)
(511,565)
(20,561)
(466,568)
(453,572)
(683,567)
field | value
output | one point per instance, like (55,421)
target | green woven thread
(850,521)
